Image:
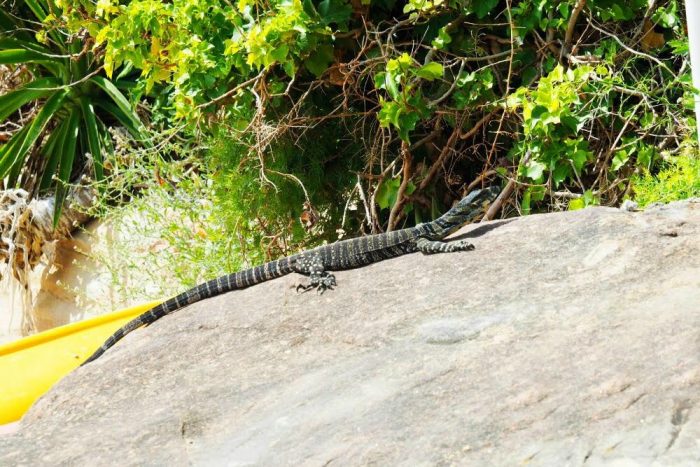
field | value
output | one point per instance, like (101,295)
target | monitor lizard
(338,256)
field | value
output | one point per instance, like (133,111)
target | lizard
(317,262)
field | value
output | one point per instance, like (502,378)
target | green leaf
(666,17)
(380,80)
(278,54)
(576,204)
(310,9)
(53,150)
(10,102)
(589,198)
(464,78)
(571,122)
(525,202)
(534,170)
(538,193)
(407,123)
(679,46)
(9,150)
(443,38)
(561,171)
(417,104)
(645,157)
(335,11)
(483,7)
(66,164)
(430,71)
(319,60)
(17,154)
(461,99)
(92,132)
(579,158)
(13,56)
(538,112)
(389,113)
(36,8)
(12,43)
(410,188)
(647,120)
(387,191)
(6,22)
(390,84)
(127,114)
(619,159)
(48,150)
(119,82)
(564,10)
(290,68)
(125,120)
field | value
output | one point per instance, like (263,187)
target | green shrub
(305,178)
(563,100)
(678,179)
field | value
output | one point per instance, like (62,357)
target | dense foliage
(567,97)
(66,103)
(367,115)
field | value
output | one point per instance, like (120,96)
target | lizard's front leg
(319,278)
(321,281)
(429,247)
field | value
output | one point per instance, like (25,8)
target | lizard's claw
(321,282)
(326,282)
(462,245)
(305,287)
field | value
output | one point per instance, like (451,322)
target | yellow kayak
(30,366)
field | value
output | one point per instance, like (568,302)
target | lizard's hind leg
(429,247)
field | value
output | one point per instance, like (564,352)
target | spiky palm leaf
(76,103)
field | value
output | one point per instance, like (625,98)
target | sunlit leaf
(65,166)
(430,71)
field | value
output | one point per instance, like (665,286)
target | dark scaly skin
(315,263)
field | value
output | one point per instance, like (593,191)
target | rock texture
(563,339)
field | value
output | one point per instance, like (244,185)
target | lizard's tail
(143,319)
(235,281)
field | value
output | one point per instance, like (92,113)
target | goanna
(315,263)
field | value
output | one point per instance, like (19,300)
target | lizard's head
(464,211)
(477,200)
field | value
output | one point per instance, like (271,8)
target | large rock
(563,339)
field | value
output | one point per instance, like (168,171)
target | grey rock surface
(563,339)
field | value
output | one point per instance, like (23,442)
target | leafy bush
(277,217)
(201,48)
(561,84)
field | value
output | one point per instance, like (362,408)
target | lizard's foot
(327,283)
(460,245)
(321,281)
(429,247)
